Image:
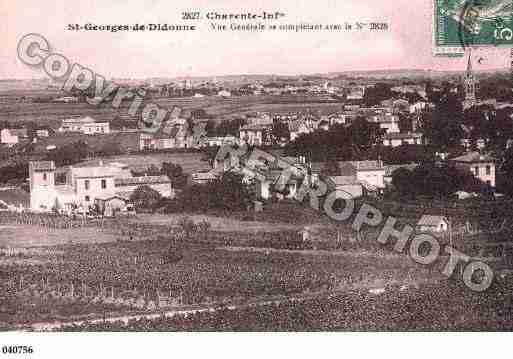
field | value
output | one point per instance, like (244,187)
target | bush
(187,226)
(145,197)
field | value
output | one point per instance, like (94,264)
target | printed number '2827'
(187,15)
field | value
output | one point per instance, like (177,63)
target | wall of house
(94,128)
(479,170)
(42,189)
(375,178)
(95,189)
(251,137)
(7,138)
(355,190)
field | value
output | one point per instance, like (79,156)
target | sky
(406,45)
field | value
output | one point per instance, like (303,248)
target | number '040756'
(17,349)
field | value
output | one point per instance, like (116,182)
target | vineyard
(442,306)
(89,280)
(96,268)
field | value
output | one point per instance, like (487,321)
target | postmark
(460,24)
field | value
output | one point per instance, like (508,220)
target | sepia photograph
(286,166)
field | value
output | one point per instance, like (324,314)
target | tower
(469,84)
(42,185)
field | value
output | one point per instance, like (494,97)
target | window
(86,184)
(87,198)
(104,184)
(488,170)
(476,170)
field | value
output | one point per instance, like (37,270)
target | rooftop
(42,165)
(389,169)
(95,172)
(82,120)
(401,136)
(142,180)
(431,221)
(473,157)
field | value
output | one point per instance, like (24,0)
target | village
(98,193)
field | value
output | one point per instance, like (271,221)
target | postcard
(253,168)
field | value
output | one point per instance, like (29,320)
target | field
(103,272)
(238,275)
(51,113)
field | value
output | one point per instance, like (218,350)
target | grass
(35,236)
(219,224)
(189,161)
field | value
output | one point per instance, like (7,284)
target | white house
(398,139)
(86,125)
(84,185)
(12,136)
(224,93)
(481,166)
(253,135)
(429,223)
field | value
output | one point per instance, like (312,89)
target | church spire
(469,84)
(469,65)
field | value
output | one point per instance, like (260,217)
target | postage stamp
(459,24)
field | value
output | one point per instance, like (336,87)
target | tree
(151,170)
(145,197)
(442,126)
(230,193)
(280,131)
(175,174)
(227,193)
(110,149)
(365,134)
(401,179)
(331,168)
(377,93)
(70,154)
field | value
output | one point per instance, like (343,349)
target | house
(13,136)
(348,184)
(85,125)
(368,176)
(42,132)
(418,107)
(110,205)
(355,92)
(253,135)
(217,141)
(430,223)
(387,122)
(481,166)
(224,93)
(471,138)
(371,174)
(399,139)
(298,128)
(81,185)
(66,99)
(173,134)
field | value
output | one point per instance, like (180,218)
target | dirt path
(377,289)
